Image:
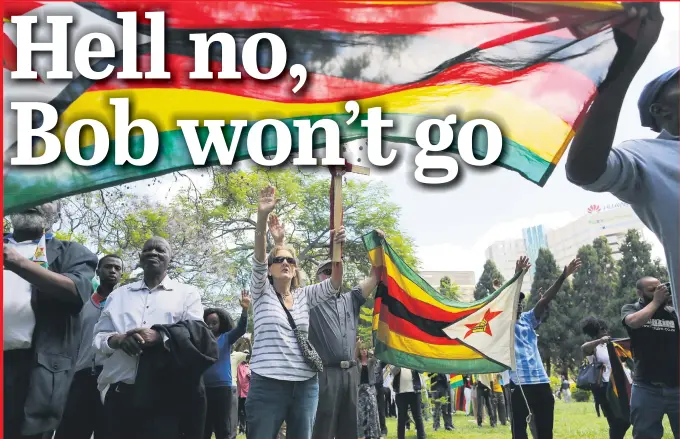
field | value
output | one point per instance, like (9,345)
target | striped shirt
(276,353)
(527,358)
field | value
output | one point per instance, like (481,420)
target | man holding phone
(652,324)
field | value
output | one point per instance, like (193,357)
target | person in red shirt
(243,382)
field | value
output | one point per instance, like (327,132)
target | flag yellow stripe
(523,122)
(406,284)
(415,347)
(595,6)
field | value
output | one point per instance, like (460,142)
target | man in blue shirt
(644,172)
(529,384)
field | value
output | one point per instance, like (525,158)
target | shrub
(581,395)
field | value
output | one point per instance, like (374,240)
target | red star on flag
(483,325)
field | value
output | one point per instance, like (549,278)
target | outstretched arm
(549,295)
(264,208)
(589,151)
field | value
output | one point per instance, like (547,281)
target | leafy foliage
(210,227)
(448,288)
(484,286)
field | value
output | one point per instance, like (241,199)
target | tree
(485,285)
(449,289)
(595,285)
(635,263)
(210,226)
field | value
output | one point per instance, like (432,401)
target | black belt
(122,387)
(342,364)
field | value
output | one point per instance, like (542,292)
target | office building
(464,279)
(611,221)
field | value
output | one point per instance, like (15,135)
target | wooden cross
(337,173)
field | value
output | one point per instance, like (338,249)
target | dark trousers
(218,413)
(413,401)
(380,394)
(241,415)
(125,421)
(542,405)
(338,393)
(84,412)
(390,407)
(442,409)
(617,427)
(16,376)
(498,404)
(233,414)
(506,398)
(484,399)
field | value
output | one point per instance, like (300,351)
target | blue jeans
(270,402)
(648,404)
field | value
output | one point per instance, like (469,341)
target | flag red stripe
(425,310)
(343,17)
(550,85)
(407,329)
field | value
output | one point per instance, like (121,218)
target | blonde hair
(296,282)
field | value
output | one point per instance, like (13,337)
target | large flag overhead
(415,327)
(533,68)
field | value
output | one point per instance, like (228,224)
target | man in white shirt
(41,327)
(124,334)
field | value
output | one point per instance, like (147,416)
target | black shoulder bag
(308,352)
(590,375)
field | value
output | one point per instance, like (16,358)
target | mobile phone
(668,286)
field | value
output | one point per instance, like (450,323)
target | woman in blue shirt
(217,379)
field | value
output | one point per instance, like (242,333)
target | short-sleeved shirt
(646,174)
(528,363)
(601,355)
(276,353)
(654,346)
(333,326)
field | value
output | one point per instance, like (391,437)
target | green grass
(572,421)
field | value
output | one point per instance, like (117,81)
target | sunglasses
(280,259)
(326,272)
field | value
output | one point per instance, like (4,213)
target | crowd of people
(146,359)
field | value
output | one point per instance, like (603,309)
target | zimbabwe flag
(415,327)
(619,387)
(532,68)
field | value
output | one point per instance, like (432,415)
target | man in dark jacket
(84,412)
(45,284)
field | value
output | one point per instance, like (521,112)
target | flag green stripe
(372,241)
(424,364)
(28,186)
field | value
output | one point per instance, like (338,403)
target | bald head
(155,256)
(646,286)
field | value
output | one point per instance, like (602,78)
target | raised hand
(339,237)
(245,300)
(573,266)
(267,201)
(276,229)
(661,294)
(11,257)
(651,21)
(522,264)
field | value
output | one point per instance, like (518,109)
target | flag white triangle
(491,329)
